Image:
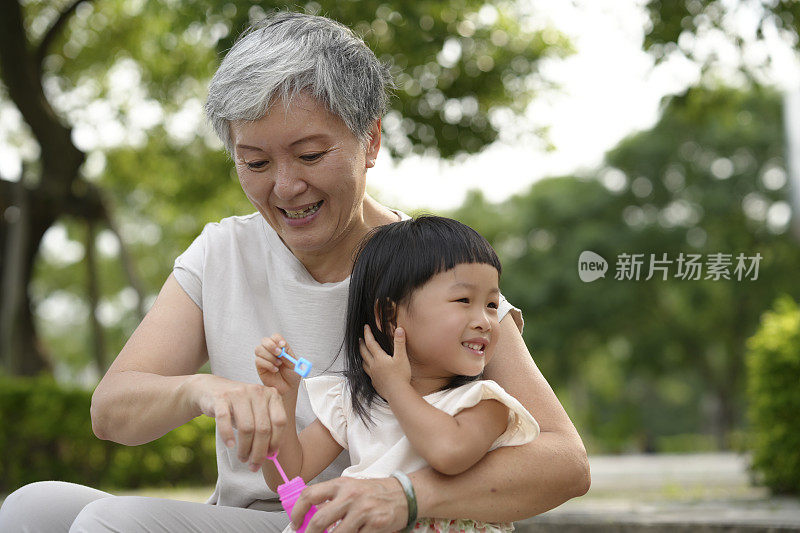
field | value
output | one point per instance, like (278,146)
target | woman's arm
(151,388)
(510,483)
(143,394)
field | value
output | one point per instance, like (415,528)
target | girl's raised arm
(450,444)
(310,452)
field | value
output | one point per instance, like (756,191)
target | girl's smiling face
(304,170)
(451,324)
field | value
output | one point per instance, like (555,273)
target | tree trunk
(93,290)
(24,354)
(35,209)
(23,229)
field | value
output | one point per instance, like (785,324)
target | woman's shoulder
(376,214)
(238,224)
(233,232)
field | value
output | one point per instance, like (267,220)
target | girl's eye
(312,157)
(256,165)
(493,305)
(465,300)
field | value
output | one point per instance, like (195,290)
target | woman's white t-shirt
(249,285)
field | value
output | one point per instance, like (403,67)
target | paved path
(691,492)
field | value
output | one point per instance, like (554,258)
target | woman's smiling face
(305,172)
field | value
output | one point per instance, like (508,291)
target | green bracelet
(411,499)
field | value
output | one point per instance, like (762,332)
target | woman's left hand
(374,505)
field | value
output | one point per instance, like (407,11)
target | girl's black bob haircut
(391,263)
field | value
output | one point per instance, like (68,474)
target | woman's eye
(312,157)
(465,300)
(256,165)
(493,305)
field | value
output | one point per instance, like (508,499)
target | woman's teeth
(471,346)
(304,212)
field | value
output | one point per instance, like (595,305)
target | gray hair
(290,52)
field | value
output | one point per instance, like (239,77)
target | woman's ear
(386,311)
(373,144)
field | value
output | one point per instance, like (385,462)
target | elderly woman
(297,102)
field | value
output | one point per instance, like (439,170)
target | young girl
(421,326)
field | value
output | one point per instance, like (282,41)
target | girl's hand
(276,371)
(386,371)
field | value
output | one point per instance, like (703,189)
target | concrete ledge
(615,526)
(670,493)
(610,516)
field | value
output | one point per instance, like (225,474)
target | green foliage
(675,25)
(644,362)
(595,343)
(639,364)
(686,443)
(773,374)
(118,55)
(47,434)
(176,47)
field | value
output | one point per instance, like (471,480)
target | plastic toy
(301,366)
(290,491)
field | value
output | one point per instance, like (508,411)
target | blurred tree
(142,67)
(740,30)
(712,175)
(640,356)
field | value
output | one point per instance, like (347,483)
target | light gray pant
(56,506)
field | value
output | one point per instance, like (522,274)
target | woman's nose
(288,182)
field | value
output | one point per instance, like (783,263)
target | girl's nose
(481,320)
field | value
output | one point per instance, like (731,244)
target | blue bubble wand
(301,366)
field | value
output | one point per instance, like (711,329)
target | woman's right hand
(255,411)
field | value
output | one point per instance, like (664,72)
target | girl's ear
(386,311)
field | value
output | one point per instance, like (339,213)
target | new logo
(591,266)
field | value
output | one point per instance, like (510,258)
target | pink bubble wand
(290,491)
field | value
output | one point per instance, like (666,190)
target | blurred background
(631,127)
